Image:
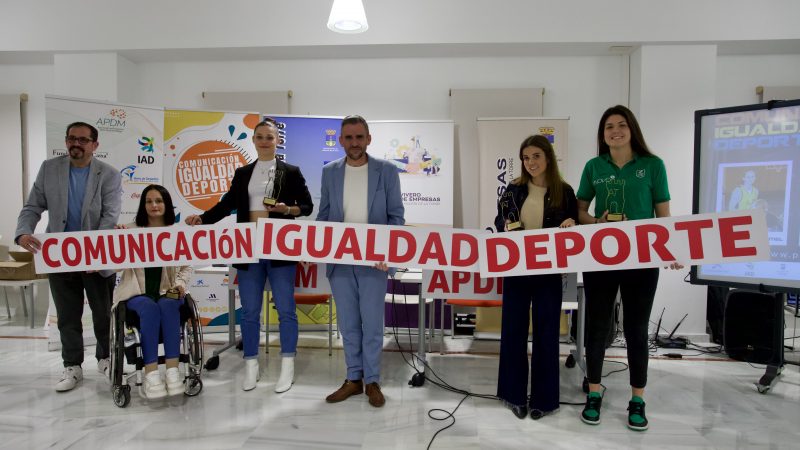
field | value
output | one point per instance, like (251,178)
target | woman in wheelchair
(156,294)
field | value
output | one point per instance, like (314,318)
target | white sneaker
(251,374)
(71,377)
(174,381)
(286,378)
(104,367)
(153,386)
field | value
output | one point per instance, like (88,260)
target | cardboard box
(13,270)
(21,256)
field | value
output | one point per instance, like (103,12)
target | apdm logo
(113,121)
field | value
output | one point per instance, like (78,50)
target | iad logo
(128,172)
(146,144)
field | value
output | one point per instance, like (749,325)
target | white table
(413,276)
(213,362)
(23,286)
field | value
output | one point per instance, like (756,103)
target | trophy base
(513,226)
(614,217)
(173,294)
(270,201)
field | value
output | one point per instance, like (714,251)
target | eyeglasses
(79,140)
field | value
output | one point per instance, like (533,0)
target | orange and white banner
(733,236)
(146,247)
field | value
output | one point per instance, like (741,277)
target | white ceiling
(32,32)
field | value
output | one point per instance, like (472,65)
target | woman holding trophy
(627,182)
(266,188)
(538,198)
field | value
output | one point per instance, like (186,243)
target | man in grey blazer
(360,189)
(80,193)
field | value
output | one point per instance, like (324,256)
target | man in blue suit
(80,193)
(360,189)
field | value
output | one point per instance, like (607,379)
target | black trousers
(538,296)
(67,289)
(637,289)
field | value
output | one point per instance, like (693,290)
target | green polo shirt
(633,190)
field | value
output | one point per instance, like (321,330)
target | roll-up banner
(202,151)
(499,140)
(309,142)
(422,151)
(130,139)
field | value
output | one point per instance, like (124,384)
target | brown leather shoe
(348,388)
(375,396)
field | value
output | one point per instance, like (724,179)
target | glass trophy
(510,211)
(615,200)
(273,188)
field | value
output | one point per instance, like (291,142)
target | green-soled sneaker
(637,420)
(591,411)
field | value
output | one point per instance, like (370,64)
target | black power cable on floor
(436,380)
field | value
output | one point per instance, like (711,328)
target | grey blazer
(101,203)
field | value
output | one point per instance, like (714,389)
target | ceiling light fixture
(348,16)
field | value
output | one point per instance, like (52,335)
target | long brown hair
(638,145)
(555,184)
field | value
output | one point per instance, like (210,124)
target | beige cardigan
(132,282)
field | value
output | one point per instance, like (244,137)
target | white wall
(738,76)
(36,81)
(674,82)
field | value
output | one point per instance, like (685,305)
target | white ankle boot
(251,374)
(286,378)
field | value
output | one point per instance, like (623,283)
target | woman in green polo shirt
(627,182)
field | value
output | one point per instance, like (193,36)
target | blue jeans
(359,293)
(163,314)
(251,293)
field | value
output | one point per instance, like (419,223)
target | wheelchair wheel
(117,346)
(193,386)
(194,335)
(122,395)
(212,363)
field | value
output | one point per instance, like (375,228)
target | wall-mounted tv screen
(748,157)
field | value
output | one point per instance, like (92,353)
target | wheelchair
(125,345)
